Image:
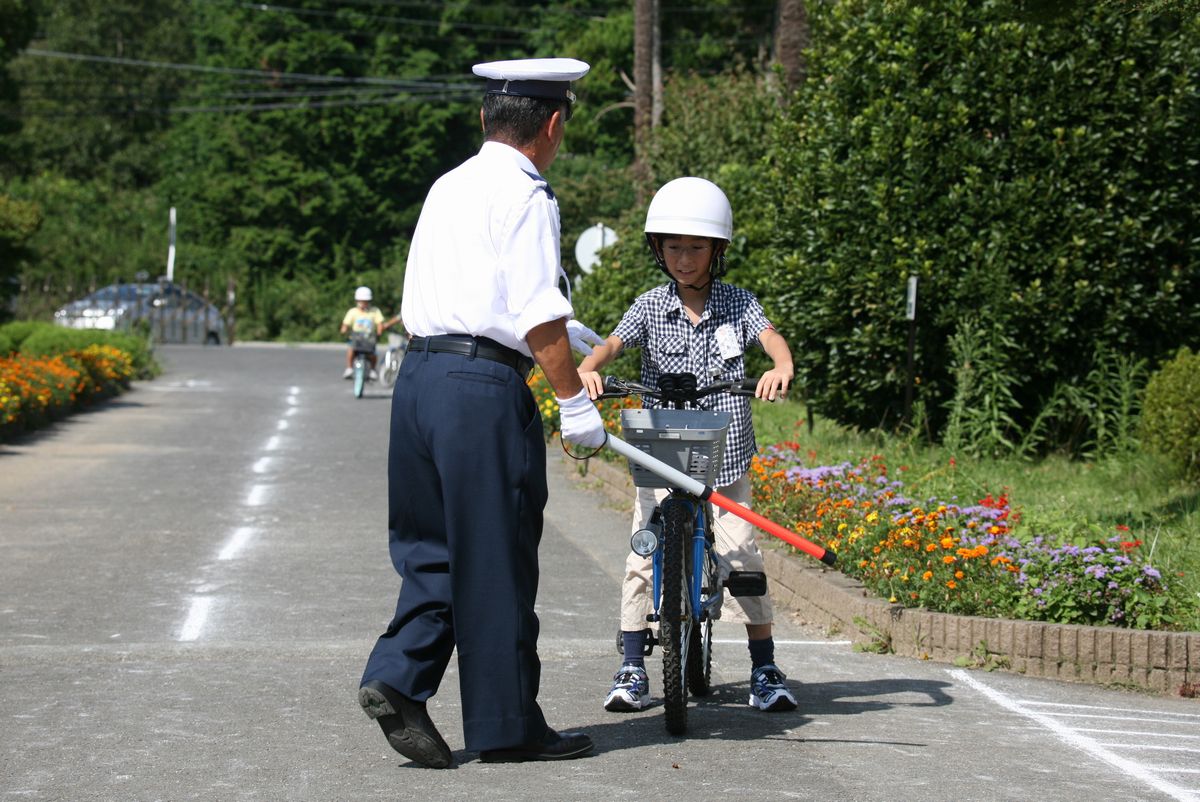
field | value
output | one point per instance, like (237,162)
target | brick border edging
(1156,661)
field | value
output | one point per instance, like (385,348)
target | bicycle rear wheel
(390,370)
(699,660)
(675,620)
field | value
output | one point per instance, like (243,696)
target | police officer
(466,461)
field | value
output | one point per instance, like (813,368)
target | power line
(399,83)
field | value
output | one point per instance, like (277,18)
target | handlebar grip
(829,558)
(745,386)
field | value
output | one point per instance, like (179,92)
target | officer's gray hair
(516,120)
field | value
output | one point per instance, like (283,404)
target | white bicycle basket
(689,440)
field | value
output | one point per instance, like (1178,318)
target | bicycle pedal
(746,583)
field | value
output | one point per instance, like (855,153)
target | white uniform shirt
(485,255)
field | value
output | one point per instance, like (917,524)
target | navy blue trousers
(466,491)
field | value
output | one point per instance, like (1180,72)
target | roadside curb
(1163,662)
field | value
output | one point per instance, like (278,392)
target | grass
(1065,500)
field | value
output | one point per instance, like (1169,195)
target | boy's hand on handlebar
(581,422)
(773,384)
(593,383)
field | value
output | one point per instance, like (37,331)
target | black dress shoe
(406,724)
(553,746)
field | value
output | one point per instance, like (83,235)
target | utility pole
(644,24)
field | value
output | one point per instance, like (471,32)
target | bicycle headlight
(644,542)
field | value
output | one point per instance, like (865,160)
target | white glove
(581,421)
(582,338)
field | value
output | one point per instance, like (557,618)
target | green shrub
(19,330)
(6,345)
(1170,422)
(1039,174)
(46,339)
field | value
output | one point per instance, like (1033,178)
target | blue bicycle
(687,589)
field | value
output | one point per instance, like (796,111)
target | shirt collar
(716,298)
(501,150)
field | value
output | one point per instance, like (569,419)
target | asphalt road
(192,575)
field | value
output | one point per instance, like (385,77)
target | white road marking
(197,615)
(260,466)
(257,495)
(291,411)
(282,425)
(272,444)
(1102,707)
(1081,742)
(240,537)
(1134,732)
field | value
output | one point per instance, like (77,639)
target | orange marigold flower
(958,574)
(928,575)
(952,584)
(949,558)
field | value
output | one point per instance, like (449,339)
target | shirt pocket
(671,352)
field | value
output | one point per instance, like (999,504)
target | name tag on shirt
(727,342)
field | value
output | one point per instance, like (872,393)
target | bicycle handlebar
(677,387)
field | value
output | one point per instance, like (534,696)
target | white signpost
(589,244)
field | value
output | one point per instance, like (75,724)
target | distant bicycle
(389,368)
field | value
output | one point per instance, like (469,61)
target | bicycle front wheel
(699,655)
(360,376)
(675,617)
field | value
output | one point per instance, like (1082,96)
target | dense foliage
(1039,177)
(297,142)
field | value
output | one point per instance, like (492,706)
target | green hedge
(34,338)
(1038,176)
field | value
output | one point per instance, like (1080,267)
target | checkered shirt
(658,324)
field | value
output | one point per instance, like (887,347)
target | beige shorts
(736,550)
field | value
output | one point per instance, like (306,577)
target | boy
(700,325)
(366,321)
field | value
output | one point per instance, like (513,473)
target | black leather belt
(481,347)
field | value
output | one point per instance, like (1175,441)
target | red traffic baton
(697,488)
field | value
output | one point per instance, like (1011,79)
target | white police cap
(546,78)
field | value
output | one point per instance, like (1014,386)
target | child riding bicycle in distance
(700,325)
(364,320)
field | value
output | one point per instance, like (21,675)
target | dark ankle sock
(762,652)
(634,644)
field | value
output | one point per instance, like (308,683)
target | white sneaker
(348,373)
(630,690)
(768,691)
(374,375)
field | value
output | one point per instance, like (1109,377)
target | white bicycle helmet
(692,206)
(363,294)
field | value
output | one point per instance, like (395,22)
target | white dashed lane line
(257,495)
(1123,753)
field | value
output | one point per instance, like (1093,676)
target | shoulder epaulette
(545,184)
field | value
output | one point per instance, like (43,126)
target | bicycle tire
(674,616)
(360,376)
(391,369)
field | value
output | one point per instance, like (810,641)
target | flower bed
(38,389)
(964,559)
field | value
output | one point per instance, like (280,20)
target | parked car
(169,313)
